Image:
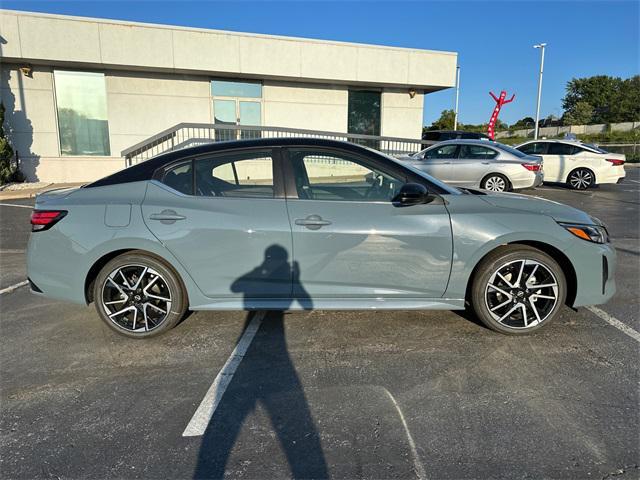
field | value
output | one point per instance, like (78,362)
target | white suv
(579,165)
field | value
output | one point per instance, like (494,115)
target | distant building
(80,90)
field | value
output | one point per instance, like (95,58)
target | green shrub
(8,171)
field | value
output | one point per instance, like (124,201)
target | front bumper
(595,266)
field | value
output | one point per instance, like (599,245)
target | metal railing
(186,135)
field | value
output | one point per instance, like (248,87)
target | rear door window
(240,174)
(476,152)
(561,149)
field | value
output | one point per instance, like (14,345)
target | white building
(78,91)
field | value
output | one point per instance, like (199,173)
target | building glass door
(236,103)
(364,114)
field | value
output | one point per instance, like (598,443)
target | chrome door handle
(485,163)
(166,216)
(312,222)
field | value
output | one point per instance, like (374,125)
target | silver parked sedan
(479,163)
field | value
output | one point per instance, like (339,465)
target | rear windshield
(594,148)
(511,150)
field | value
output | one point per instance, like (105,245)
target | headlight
(591,233)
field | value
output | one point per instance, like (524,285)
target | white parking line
(417,464)
(13,287)
(611,320)
(212,398)
(14,205)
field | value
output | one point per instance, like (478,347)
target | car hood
(558,211)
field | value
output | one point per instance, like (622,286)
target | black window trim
(276,169)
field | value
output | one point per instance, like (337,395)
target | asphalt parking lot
(325,394)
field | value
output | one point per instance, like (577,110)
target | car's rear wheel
(495,182)
(139,296)
(518,289)
(581,179)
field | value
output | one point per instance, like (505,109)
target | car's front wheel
(495,182)
(139,296)
(518,289)
(581,179)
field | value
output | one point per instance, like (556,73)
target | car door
(350,241)
(472,164)
(224,217)
(437,161)
(558,161)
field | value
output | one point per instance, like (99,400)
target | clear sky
(493,39)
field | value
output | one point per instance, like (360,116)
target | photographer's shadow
(266,375)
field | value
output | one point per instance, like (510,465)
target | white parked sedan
(577,164)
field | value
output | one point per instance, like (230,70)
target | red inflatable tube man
(500,101)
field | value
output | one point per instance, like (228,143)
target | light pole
(455,118)
(541,47)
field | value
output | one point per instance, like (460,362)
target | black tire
(167,285)
(581,179)
(495,179)
(532,305)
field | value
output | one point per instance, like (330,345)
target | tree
(581,114)
(526,122)
(445,122)
(611,98)
(7,170)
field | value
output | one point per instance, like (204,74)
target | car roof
(145,169)
(468,141)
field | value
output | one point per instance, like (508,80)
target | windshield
(447,188)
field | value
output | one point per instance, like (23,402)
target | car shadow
(265,378)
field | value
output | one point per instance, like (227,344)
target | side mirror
(411,194)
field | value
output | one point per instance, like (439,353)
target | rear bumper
(611,175)
(527,179)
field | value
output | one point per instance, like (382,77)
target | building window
(81,101)
(364,112)
(236,103)
(225,88)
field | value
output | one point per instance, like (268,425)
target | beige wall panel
(33,111)
(401,98)
(70,169)
(382,65)
(402,122)
(209,51)
(267,56)
(332,62)
(292,92)
(10,42)
(307,116)
(139,83)
(48,38)
(426,68)
(150,114)
(140,46)
(11,77)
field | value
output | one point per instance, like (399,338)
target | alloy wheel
(521,294)
(136,298)
(581,179)
(495,184)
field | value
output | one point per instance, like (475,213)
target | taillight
(45,219)
(532,167)
(615,162)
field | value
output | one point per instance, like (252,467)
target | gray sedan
(296,223)
(479,163)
